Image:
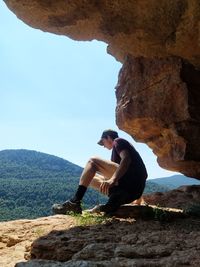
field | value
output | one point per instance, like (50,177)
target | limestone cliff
(159,44)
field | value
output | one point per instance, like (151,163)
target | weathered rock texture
(60,241)
(158,103)
(183,197)
(158,92)
(141,28)
(16,236)
(122,243)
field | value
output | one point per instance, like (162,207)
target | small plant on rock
(193,210)
(161,214)
(88,218)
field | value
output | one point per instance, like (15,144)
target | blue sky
(57,95)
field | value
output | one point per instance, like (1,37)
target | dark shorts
(132,183)
(119,196)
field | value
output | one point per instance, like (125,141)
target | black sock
(79,193)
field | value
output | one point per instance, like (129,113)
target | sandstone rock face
(16,236)
(159,44)
(140,28)
(158,104)
(180,198)
(119,243)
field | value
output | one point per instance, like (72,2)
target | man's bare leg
(97,170)
(90,176)
(88,173)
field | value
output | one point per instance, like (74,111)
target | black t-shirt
(136,173)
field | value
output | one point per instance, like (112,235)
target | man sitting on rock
(122,178)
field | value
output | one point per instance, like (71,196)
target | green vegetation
(33,198)
(89,219)
(153,187)
(31,182)
(193,210)
(161,214)
(28,164)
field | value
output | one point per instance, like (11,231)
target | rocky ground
(16,237)
(148,236)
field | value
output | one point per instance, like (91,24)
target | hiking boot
(67,207)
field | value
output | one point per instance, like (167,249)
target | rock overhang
(159,44)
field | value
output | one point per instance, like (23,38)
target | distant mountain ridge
(27,164)
(175,181)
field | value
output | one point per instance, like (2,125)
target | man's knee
(94,161)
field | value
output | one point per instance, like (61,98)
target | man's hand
(106,185)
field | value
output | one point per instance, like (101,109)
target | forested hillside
(30,182)
(28,164)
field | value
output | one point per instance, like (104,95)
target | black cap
(113,134)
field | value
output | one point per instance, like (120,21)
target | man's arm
(121,170)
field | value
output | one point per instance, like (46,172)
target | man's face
(107,142)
